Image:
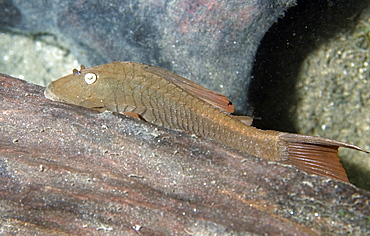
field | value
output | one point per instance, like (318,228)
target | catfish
(166,99)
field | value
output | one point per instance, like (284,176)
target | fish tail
(316,155)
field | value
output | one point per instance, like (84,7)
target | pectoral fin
(94,104)
(218,100)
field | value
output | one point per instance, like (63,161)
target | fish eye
(90,78)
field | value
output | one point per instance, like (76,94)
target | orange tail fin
(316,155)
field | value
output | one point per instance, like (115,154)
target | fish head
(87,87)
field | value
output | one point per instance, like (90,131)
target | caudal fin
(316,155)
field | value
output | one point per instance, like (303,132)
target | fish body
(163,98)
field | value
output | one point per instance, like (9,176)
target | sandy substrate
(37,59)
(333,90)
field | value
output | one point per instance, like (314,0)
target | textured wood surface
(69,170)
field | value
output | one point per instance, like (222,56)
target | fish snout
(48,94)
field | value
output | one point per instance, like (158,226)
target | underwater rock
(210,42)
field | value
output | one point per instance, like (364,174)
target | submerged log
(69,170)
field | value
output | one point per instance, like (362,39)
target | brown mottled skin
(169,100)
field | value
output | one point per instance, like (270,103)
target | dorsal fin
(316,155)
(218,100)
